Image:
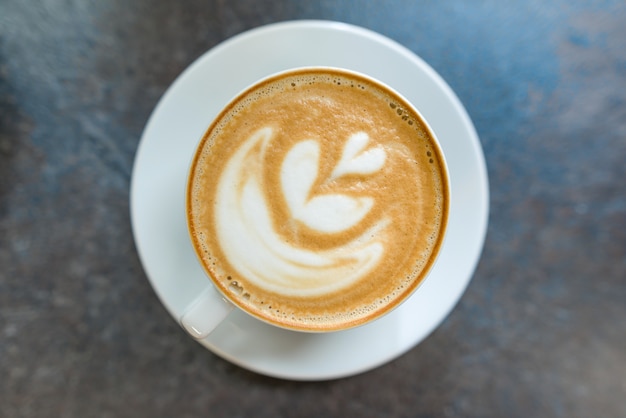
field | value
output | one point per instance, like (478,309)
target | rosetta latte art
(260,254)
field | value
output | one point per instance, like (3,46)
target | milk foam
(256,249)
(317,200)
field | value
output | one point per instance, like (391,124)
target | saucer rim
(373,37)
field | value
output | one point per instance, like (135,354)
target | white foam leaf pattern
(356,161)
(258,252)
(328,213)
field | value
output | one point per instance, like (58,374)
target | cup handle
(205,313)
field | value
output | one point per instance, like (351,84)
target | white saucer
(185,111)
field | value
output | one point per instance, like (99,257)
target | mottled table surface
(541,329)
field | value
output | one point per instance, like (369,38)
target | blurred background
(540,331)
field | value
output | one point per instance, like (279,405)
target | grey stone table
(541,330)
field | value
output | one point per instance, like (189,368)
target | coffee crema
(317,200)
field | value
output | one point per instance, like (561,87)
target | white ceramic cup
(211,307)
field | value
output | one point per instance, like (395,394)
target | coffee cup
(317,201)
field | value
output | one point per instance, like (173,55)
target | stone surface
(540,330)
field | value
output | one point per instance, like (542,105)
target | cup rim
(446,194)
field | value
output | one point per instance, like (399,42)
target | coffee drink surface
(317,200)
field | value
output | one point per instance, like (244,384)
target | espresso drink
(317,200)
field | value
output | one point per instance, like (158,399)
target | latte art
(259,253)
(317,200)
